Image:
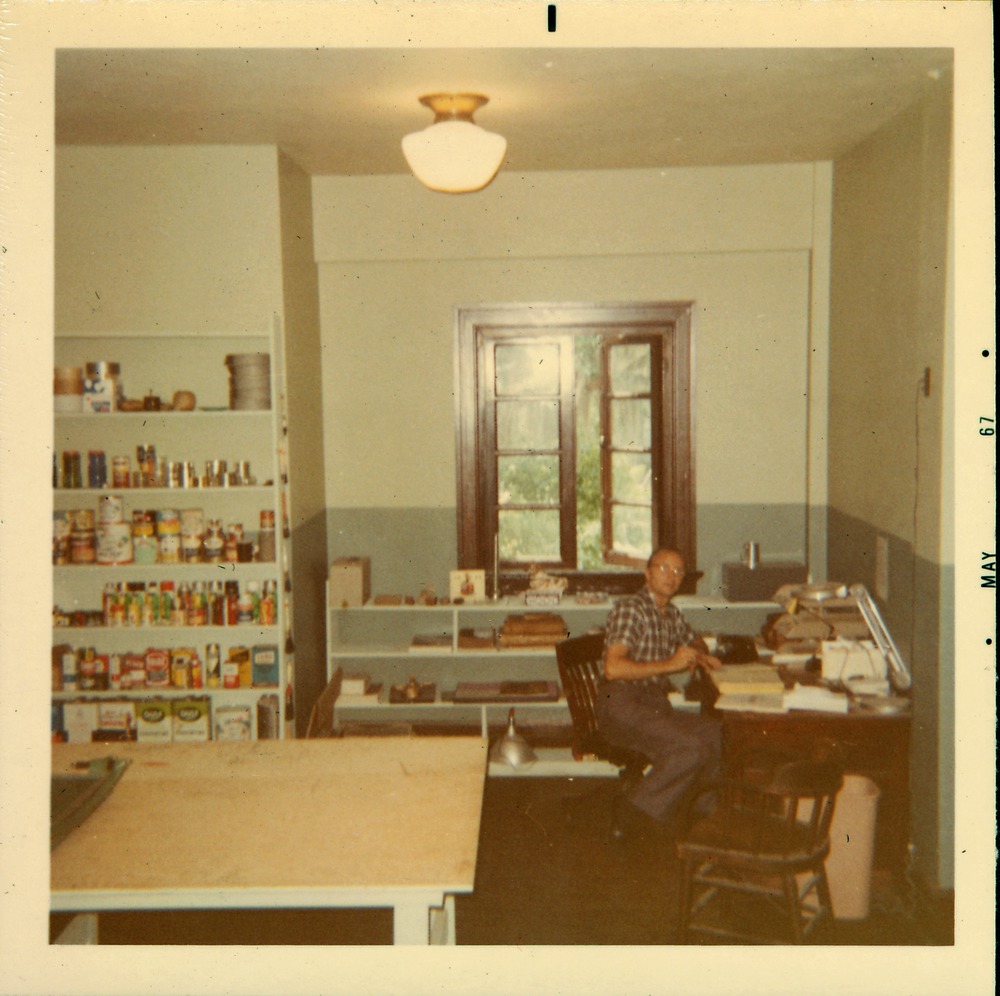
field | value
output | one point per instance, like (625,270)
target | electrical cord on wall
(923,387)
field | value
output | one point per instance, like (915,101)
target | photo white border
(32,31)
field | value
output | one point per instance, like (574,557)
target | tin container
(168,522)
(215,473)
(72,475)
(97,469)
(169,548)
(145,455)
(114,543)
(110,509)
(60,538)
(121,472)
(102,386)
(67,388)
(82,547)
(82,520)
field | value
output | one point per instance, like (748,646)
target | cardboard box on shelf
(192,719)
(79,721)
(154,721)
(233,722)
(117,715)
(350,582)
(264,663)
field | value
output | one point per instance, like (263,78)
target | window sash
(669,324)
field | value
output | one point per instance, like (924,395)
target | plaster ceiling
(343,111)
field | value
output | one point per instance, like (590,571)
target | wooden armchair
(763,849)
(581,669)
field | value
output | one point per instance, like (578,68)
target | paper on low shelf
(816,698)
(430,643)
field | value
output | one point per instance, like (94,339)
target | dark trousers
(682,747)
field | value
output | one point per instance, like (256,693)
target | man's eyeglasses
(677,572)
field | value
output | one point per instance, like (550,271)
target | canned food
(60,538)
(72,476)
(121,472)
(145,548)
(82,520)
(97,469)
(168,522)
(170,548)
(82,547)
(114,543)
(111,509)
(143,523)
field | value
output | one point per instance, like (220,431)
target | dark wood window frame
(672,323)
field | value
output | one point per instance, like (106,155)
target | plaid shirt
(649,634)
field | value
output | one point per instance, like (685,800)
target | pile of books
(749,688)
(532,629)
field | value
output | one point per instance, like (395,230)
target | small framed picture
(467,585)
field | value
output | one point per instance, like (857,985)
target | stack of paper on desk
(816,698)
(747,679)
(740,702)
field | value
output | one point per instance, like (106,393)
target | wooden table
(367,822)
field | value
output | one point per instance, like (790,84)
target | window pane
(527,369)
(528,480)
(630,369)
(632,477)
(529,536)
(525,425)
(632,530)
(631,425)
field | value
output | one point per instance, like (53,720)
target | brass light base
(454,106)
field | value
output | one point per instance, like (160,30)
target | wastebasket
(852,847)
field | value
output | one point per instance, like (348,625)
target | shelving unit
(376,640)
(162,363)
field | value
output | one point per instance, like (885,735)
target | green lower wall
(412,547)
(918,613)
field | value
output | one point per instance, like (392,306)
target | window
(574,439)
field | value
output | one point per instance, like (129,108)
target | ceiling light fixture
(454,155)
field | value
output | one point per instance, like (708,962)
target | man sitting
(648,640)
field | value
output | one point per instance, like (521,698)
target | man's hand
(691,657)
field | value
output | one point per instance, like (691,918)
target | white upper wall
(396,259)
(596,212)
(180,238)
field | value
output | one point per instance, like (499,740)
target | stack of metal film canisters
(67,389)
(249,381)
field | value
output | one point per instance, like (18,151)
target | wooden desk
(387,822)
(876,746)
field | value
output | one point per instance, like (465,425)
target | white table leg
(415,922)
(410,922)
(443,922)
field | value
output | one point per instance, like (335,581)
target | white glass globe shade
(454,156)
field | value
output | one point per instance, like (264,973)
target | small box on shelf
(350,582)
